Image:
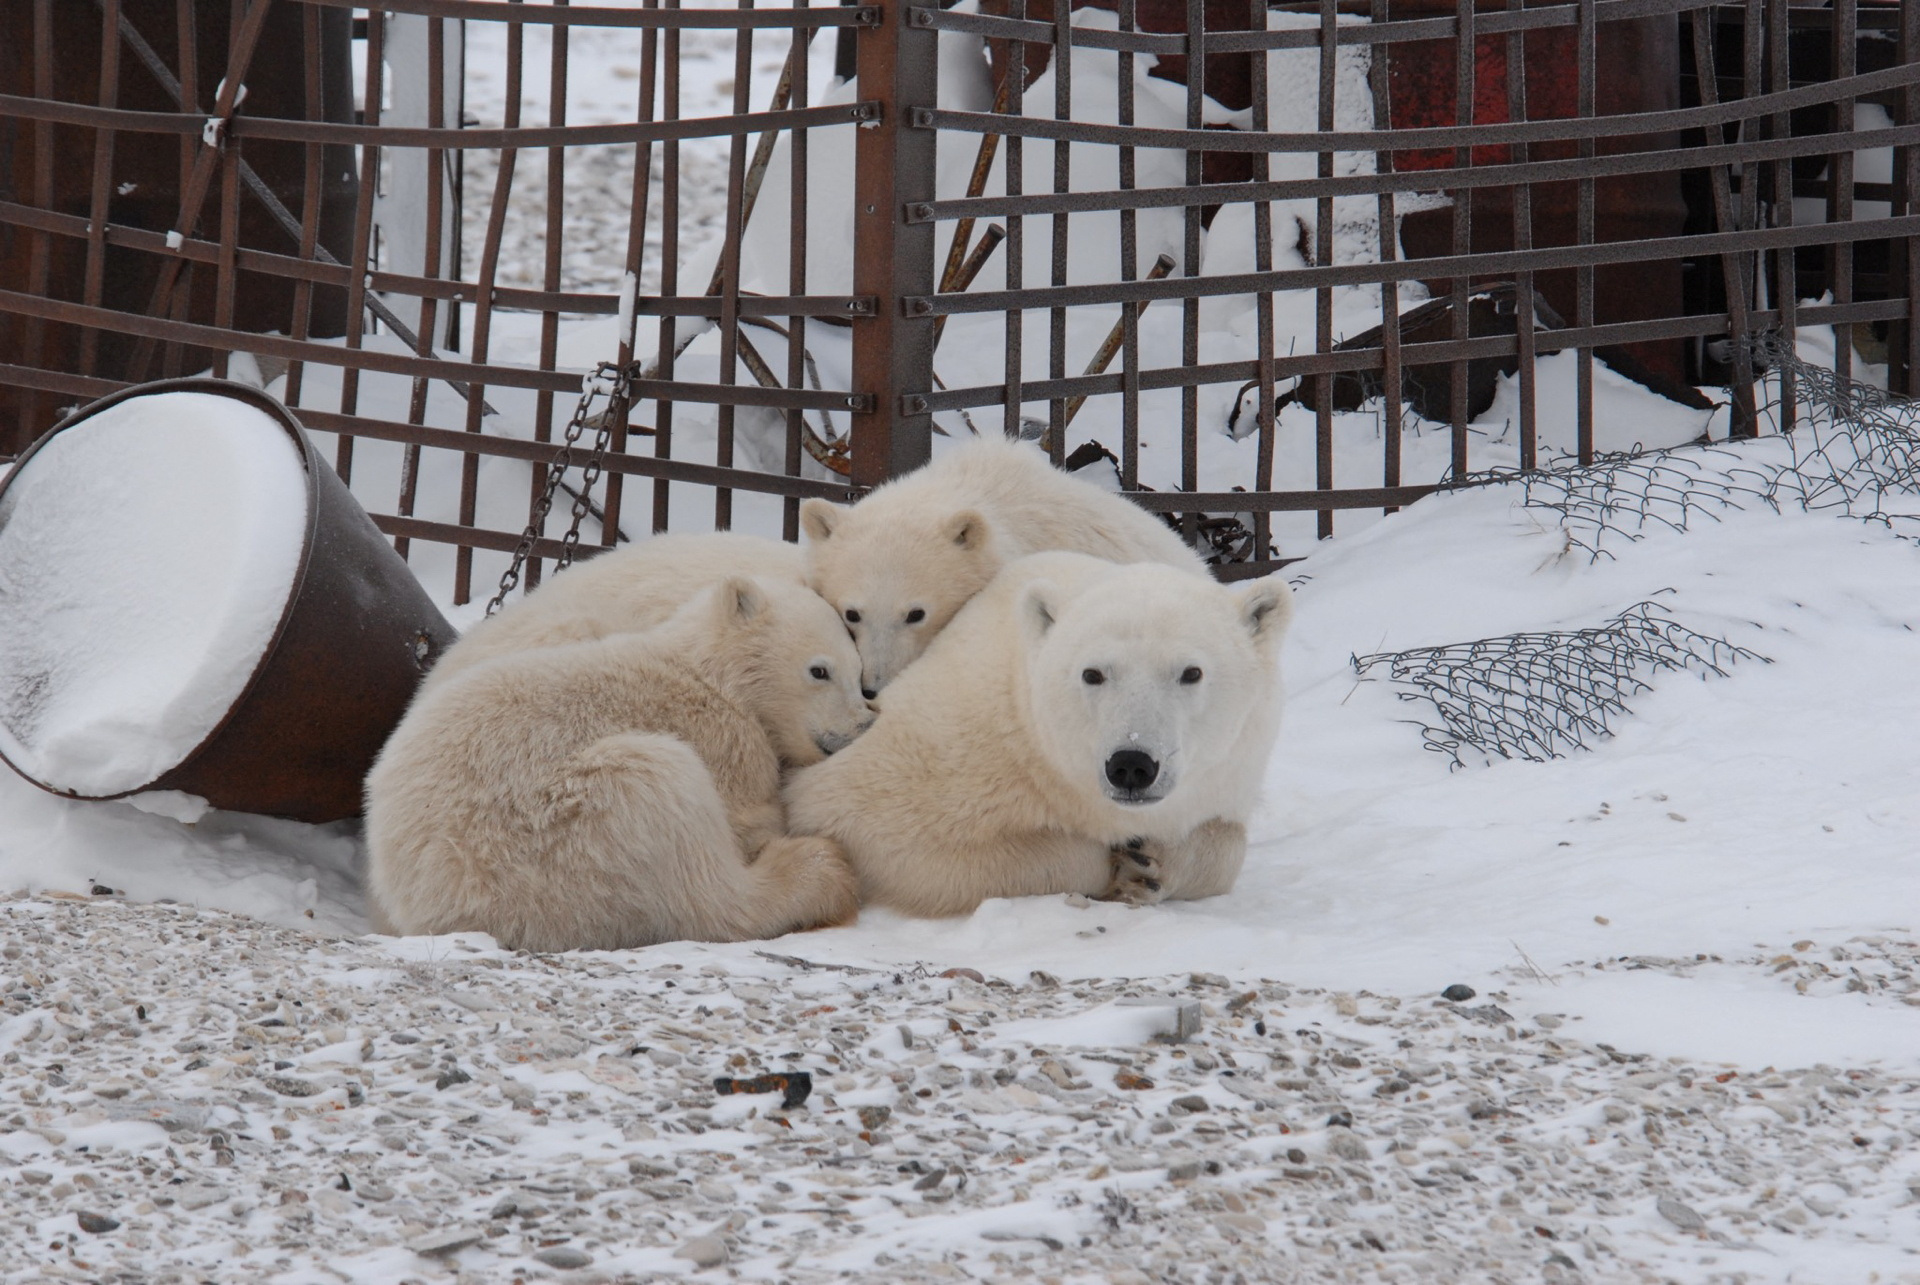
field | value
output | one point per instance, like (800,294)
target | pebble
(1459,993)
(290,1086)
(564,1257)
(1192,1104)
(98,1224)
(451,1241)
(703,1251)
(1348,1147)
(1683,1216)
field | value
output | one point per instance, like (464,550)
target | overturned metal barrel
(192,600)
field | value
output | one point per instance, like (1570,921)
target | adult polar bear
(1079,727)
(902,561)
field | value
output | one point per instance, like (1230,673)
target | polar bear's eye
(1190,675)
(853,617)
(915,616)
(1092,677)
(820,672)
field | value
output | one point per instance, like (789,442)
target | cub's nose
(868,692)
(1131,769)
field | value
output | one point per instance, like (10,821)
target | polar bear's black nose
(1131,769)
(868,692)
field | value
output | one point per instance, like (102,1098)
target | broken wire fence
(1539,696)
(1854,450)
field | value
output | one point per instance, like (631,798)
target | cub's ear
(1036,609)
(741,601)
(819,517)
(1266,607)
(967,529)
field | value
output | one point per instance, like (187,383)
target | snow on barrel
(147,553)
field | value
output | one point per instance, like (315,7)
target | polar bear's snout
(1130,772)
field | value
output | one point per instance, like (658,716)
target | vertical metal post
(897,64)
(1904,350)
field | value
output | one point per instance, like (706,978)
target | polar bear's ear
(741,600)
(1036,609)
(967,529)
(819,517)
(1265,607)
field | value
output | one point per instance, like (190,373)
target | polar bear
(903,560)
(1080,727)
(624,591)
(625,790)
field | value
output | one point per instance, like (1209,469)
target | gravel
(586,1137)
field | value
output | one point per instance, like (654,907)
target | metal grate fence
(1259,263)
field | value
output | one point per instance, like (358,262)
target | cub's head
(896,578)
(787,657)
(1145,678)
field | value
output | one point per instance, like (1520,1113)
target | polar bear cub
(902,561)
(622,791)
(625,591)
(1079,727)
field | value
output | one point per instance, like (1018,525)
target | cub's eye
(853,617)
(820,672)
(1092,677)
(1190,675)
(915,616)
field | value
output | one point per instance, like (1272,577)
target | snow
(145,557)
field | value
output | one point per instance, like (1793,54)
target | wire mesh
(1539,696)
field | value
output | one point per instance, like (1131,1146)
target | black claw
(1153,885)
(1136,843)
(1140,859)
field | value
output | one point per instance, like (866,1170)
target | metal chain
(609,380)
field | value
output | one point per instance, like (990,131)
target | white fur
(625,790)
(927,542)
(985,775)
(628,590)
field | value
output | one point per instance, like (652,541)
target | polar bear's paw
(810,882)
(1136,873)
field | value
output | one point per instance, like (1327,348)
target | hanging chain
(611,381)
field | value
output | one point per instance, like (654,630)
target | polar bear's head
(783,653)
(1144,679)
(896,577)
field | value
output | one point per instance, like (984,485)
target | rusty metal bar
(1062,65)
(1323,256)
(1523,314)
(1786,290)
(1129,270)
(800,91)
(1393,404)
(1263,326)
(893,259)
(728,270)
(556,225)
(1846,52)
(97,207)
(1906,183)
(1464,69)
(1586,53)
(669,264)
(309,238)
(361,255)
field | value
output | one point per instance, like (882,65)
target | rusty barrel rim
(260,400)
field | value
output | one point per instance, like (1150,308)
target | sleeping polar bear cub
(1079,727)
(624,591)
(902,561)
(622,791)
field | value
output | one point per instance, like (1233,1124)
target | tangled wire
(1539,696)
(1853,449)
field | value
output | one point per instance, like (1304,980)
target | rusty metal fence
(1256,263)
